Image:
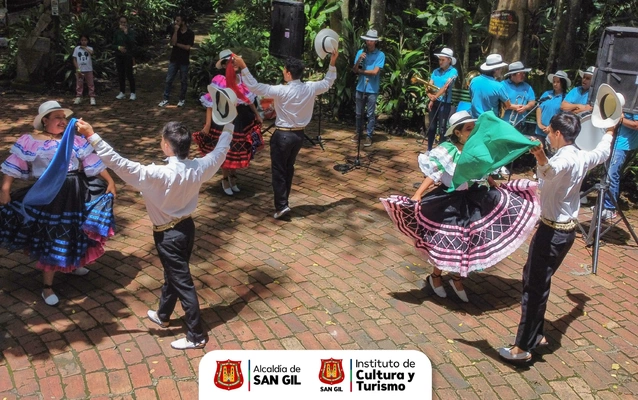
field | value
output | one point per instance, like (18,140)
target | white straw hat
(515,68)
(447,52)
(588,71)
(46,108)
(371,35)
(607,108)
(326,42)
(224,104)
(561,75)
(461,117)
(493,61)
(223,56)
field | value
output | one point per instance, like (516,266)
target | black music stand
(318,138)
(602,188)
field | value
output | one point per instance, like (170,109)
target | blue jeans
(614,173)
(173,68)
(369,101)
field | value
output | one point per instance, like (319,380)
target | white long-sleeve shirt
(561,178)
(295,101)
(170,191)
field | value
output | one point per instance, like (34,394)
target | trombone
(428,86)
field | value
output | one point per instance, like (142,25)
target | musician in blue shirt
(486,92)
(368,65)
(520,93)
(441,101)
(577,99)
(550,101)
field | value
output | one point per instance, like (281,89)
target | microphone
(360,65)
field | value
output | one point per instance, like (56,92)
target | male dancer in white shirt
(560,180)
(294,103)
(170,192)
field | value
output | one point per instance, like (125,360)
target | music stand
(318,138)
(602,188)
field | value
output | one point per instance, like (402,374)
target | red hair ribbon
(231,80)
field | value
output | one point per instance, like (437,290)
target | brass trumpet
(468,78)
(428,86)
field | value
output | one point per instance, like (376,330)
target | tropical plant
(399,98)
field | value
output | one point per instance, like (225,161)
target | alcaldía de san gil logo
(228,375)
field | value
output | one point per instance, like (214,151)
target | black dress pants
(438,120)
(124,66)
(547,250)
(284,147)
(174,247)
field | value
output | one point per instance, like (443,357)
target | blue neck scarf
(47,187)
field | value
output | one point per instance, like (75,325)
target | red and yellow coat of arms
(228,375)
(331,372)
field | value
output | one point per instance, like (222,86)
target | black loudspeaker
(617,65)
(287,29)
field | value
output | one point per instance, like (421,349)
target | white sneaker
(77,100)
(133,97)
(152,315)
(93,101)
(504,171)
(181,103)
(80,271)
(120,96)
(163,103)
(185,344)
(281,213)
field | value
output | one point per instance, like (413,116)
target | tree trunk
(459,43)
(567,53)
(336,18)
(345,9)
(377,15)
(511,48)
(551,58)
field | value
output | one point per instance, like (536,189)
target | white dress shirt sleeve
(260,89)
(131,172)
(212,161)
(557,167)
(324,85)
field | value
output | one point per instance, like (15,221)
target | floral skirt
(66,234)
(468,230)
(247,139)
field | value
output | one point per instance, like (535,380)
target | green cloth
(492,144)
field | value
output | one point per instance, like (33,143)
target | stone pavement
(336,275)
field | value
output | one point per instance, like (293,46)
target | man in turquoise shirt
(486,92)
(577,99)
(368,65)
(441,101)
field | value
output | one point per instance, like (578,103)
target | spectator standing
(182,40)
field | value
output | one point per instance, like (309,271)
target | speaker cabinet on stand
(617,66)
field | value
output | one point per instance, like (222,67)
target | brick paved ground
(337,275)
